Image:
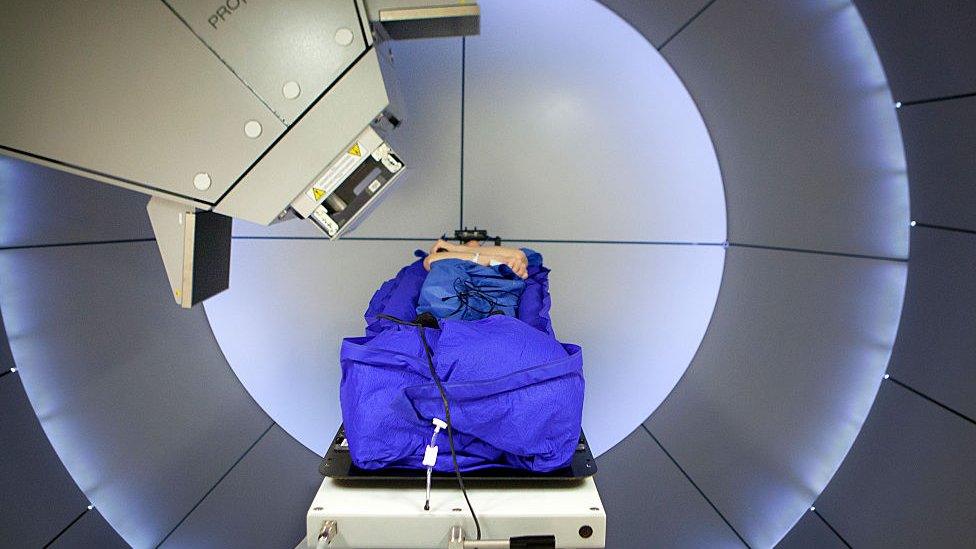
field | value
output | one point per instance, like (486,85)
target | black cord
(447,411)
(465,290)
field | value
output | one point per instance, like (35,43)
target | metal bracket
(195,247)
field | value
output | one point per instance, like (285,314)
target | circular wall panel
(579,141)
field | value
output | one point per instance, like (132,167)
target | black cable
(466,290)
(447,411)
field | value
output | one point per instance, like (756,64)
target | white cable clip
(430,456)
(438,424)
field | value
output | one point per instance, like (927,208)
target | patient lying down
(515,393)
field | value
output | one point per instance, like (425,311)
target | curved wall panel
(927,47)
(260,503)
(936,352)
(803,122)
(648,500)
(939,140)
(575,128)
(135,394)
(42,206)
(782,383)
(658,21)
(132,391)
(908,481)
(37,495)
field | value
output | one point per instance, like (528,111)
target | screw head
(291,90)
(202,181)
(252,129)
(343,36)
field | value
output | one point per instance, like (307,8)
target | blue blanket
(515,392)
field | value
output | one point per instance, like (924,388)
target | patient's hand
(513,257)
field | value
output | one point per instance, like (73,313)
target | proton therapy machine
(267,112)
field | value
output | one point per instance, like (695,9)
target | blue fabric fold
(515,392)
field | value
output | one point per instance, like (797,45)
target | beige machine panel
(128,94)
(288,52)
(321,135)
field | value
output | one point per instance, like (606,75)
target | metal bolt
(202,181)
(252,129)
(291,90)
(343,36)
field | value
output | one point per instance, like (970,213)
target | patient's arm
(513,257)
(467,256)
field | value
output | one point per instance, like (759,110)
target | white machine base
(386,515)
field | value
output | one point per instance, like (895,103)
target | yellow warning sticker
(355,150)
(318,193)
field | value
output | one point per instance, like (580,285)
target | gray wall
(817,212)
(38,497)
(908,481)
(133,393)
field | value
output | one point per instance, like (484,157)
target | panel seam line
(930,399)
(216,484)
(700,491)
(71,244)
(686,25)
(66,528)
(819,252)
(832,529)
(224,63)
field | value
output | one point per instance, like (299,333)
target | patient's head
(472,244)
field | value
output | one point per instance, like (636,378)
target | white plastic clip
(438,424)
(430,456)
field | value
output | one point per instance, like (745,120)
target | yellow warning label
(355,150)
(319,193)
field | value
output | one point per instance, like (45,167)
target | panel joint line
(463,75)
(818,252)
(930,399)
(937,99)
(702,493)
(683,27)
(944,228)
(66,528)
(225,63)
(216,484)
(72,244)
(832,529)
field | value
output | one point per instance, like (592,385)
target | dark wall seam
(700,491)
(463,72)
(937,99)
(216,484)
(683,27)
(832,529)
(819,252)
(66,528)
(71,244)
(944,228)
(930,399)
